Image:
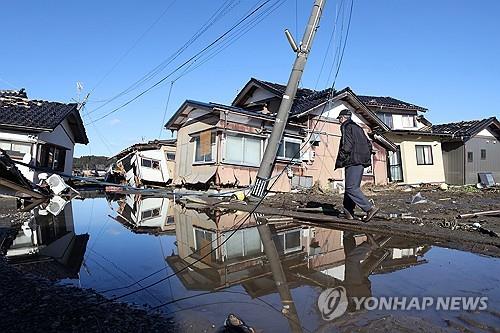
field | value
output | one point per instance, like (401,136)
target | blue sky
(439,54)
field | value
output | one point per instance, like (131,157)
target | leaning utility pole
(267,164)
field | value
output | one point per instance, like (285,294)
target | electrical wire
(219,13)
(166,108)
(185,62)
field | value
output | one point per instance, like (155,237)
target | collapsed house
(141,164)
(39,133)
(222,145)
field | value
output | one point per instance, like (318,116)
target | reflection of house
(147,163)
(39,132)
(309,255)
(47,245)
(419,157)
(470,147)
(224,144)
(146,214)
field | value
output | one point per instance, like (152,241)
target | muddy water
(136,244)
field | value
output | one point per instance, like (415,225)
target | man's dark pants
(353,195)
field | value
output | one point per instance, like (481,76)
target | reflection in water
(270,275)
(145,214)
(48,246)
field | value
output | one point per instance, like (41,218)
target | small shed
(471,147)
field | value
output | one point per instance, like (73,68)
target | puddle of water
(135,242)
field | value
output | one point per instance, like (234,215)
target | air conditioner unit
(56,205)
(56,184)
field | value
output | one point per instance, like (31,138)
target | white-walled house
(419,158)
(39,133)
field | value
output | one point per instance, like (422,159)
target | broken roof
(469,128)
(390,102)
(150,145)
(20,113)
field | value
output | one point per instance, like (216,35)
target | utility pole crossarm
(267,164)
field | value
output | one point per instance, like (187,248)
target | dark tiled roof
(305,99)
(465,128)
(19,112)
(389,102)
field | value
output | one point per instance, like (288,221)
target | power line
(220,12)
(133,46)
(166,108)
(185,62)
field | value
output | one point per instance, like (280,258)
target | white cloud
(114,121)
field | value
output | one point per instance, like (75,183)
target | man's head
(344,116)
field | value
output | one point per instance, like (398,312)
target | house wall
(490,164)
(30,138)
(61,136)
(185,149)
(417,174)
(397,117)
(453,162)
(322,166)
(153,175)
(170,163)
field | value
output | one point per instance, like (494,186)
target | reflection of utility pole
(302,50)
(279,277)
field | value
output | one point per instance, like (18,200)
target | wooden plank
(19,188)
(488,212)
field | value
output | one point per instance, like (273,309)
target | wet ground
(197,266)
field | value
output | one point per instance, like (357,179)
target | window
(483,154)
(16,150)
(171,156)
(470,157)
(50,156)
(424,155)
(150,163)
(243,149)
(386,118)
(150,213)
(289,150)
(289,241)
(204,147)
(408,121)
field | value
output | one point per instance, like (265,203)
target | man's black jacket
(355,148)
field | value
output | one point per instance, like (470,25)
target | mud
(436,218)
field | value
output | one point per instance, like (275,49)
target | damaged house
(222,145)
(150,163)
(470,148)
(39,133)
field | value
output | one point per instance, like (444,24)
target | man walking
(354,155)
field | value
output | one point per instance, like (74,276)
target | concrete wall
(417,174)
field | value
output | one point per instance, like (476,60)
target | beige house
(222,145)
(419,158)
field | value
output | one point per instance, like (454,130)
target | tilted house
(223,144)
(39,133)
(470,148)
(419,157)
(147,163)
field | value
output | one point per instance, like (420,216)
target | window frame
(283,142)
(483,156)
(408,116)
(17,154)
(424,155)
(383,116)
(244,138)
(470,157)
(49,159)
(213,153)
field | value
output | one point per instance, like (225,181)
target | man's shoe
(371,213)
(348,215)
